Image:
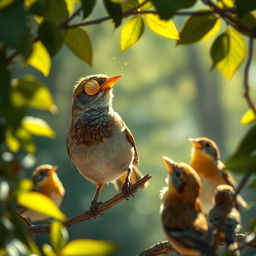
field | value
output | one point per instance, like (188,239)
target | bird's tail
(135,176)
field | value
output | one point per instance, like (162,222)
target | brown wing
(131,140)
(226,175)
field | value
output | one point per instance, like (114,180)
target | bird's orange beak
(169,163)
(196,144)
(54,169)
(109,83)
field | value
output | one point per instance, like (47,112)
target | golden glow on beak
(169,163)
(54,169)
(196,144)
(110,82)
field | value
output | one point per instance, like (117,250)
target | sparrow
(183,221)
(99,143)
(46,182)
(224,218)
(205,159)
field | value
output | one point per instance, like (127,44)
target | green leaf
(79,43)
(131,32)
(248,117)
(37,126)
(115,11)
(242,164)
(162,27)
(26,140)
(40,58)
(58,235)
(48,250)
(5,3)
(17,23)
(245,6)
(145,6)
(253,184)
(198,28)
(188,3)
(166,8)
(56,11)
(88,6)
(228,52)
(247,145)
(88,247)
(40,203)
(34,94)
(50,35)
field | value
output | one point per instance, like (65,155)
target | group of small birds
(199,199)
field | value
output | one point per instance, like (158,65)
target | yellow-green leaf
(70,6)
(88,247)
(198,28)
(48,250)
(58,235)
(11,141)
(5,3)
(40,203)
(37,126)
(162,27)
(228,52)
(248,117)
(34,94)
(25,185)
(131,32)
(40,58)
(79,43)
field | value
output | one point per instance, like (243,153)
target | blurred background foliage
(166,95)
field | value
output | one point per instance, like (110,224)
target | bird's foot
(95,208)
(127,190)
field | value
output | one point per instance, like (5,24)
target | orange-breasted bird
(99,143)
(205,159)
(224,218)
(184,223)
(47,182)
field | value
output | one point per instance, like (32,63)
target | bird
(99,143)
(183,221)
(205,159)
(46,182)
(224,218)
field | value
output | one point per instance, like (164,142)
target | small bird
(224,218)
(184,223)
(205,159)
(47,182)
(99,143)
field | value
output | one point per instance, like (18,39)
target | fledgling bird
(224,218)
(47,182)
(184,223)
(205,159)
(99,143)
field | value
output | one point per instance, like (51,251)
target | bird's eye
(91,87)
(177,174)
(41,173)
(207,145)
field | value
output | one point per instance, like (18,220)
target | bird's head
(93,91)
(205,147)
(182,179)
(224,194)
(43,173)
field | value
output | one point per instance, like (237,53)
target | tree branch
(163,248)
(88,214)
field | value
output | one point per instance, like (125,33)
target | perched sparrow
(183,221)
(46,181)
(205,159)
(224,218)
(99,143)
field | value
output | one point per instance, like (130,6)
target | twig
(246,75)
(65,22)
(242,183)
(88,214)
(163,248)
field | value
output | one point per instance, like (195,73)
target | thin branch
(88,214)
(163,248)
(246,75)
(243,182)
(76,13)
